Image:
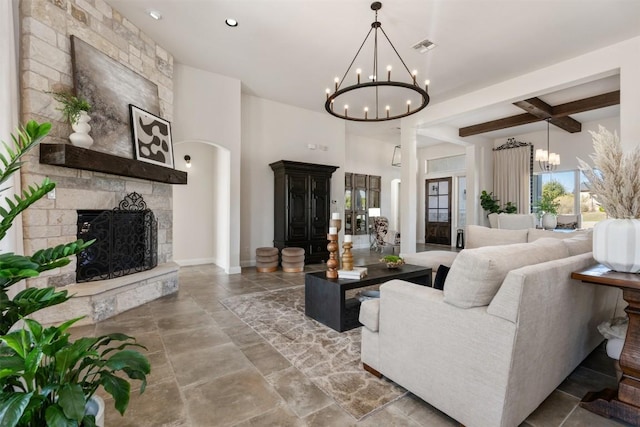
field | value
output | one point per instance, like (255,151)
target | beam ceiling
(538,110)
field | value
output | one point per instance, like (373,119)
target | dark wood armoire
(302,207)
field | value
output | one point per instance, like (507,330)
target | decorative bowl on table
(392,261)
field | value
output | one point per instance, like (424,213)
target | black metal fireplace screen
(126,240)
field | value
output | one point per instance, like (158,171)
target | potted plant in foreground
(614,181)
(46,379)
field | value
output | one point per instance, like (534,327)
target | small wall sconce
(187,159)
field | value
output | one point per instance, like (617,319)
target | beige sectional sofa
(508,328)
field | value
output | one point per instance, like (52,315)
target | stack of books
(356,273)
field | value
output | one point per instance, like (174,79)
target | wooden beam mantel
(70,156)
(537,105)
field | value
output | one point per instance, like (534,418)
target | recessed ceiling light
(231,22)
(155,14)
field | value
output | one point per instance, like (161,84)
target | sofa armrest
(445,354)
(370,314)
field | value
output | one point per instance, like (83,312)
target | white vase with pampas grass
(614,181)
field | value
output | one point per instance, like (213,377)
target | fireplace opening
(126,240)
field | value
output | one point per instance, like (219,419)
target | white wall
(272,131)
(195,217)
(568,145)
(371,157)
(207,110)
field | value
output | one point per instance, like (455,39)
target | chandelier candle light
(547,160)
(368,93)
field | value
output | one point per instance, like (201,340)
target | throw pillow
(441,275)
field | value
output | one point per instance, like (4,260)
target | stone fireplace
(45,59)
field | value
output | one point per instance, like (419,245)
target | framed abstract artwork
(151,137)
(110,87)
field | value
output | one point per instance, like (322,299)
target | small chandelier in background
(376,113)
(547,160)
(397,156)
(187,160)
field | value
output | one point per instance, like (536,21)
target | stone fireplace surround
(45,65)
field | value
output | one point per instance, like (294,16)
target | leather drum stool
(266,260)
(292,260)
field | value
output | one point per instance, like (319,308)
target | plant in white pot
(614,181)
(75,110)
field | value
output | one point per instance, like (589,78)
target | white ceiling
(291,50)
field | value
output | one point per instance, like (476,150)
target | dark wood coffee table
(325,299)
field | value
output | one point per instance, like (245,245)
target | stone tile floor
(210,369)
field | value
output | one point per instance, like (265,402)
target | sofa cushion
(580,243)
(478,236)
(370,314)
(431,259)
(516,221)
(441,276)
(476,274)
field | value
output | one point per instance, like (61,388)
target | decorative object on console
(547,160)
(151,137)
(392,261)
(371,87)
(110,87)
(615,187)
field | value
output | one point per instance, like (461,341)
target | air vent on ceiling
(424,45)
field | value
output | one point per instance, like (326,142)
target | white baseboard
(194,261)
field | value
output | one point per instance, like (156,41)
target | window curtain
(511,177)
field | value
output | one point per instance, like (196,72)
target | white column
(408,190)
(9,114)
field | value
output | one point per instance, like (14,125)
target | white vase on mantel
(616,244)
(80,137)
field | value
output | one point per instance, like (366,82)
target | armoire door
(438,211)
(298,195)
(319,205)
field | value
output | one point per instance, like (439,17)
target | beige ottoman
(292,260)
(266,259)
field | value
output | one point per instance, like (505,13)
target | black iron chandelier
(374,86)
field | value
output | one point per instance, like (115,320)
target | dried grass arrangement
(614,181)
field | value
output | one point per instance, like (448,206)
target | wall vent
(424,45)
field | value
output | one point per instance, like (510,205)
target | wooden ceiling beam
(507,122)
(587,104)
(544,111)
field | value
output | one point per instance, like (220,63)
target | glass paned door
(438,211)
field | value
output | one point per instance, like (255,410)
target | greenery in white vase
(614,179)
(72,105)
